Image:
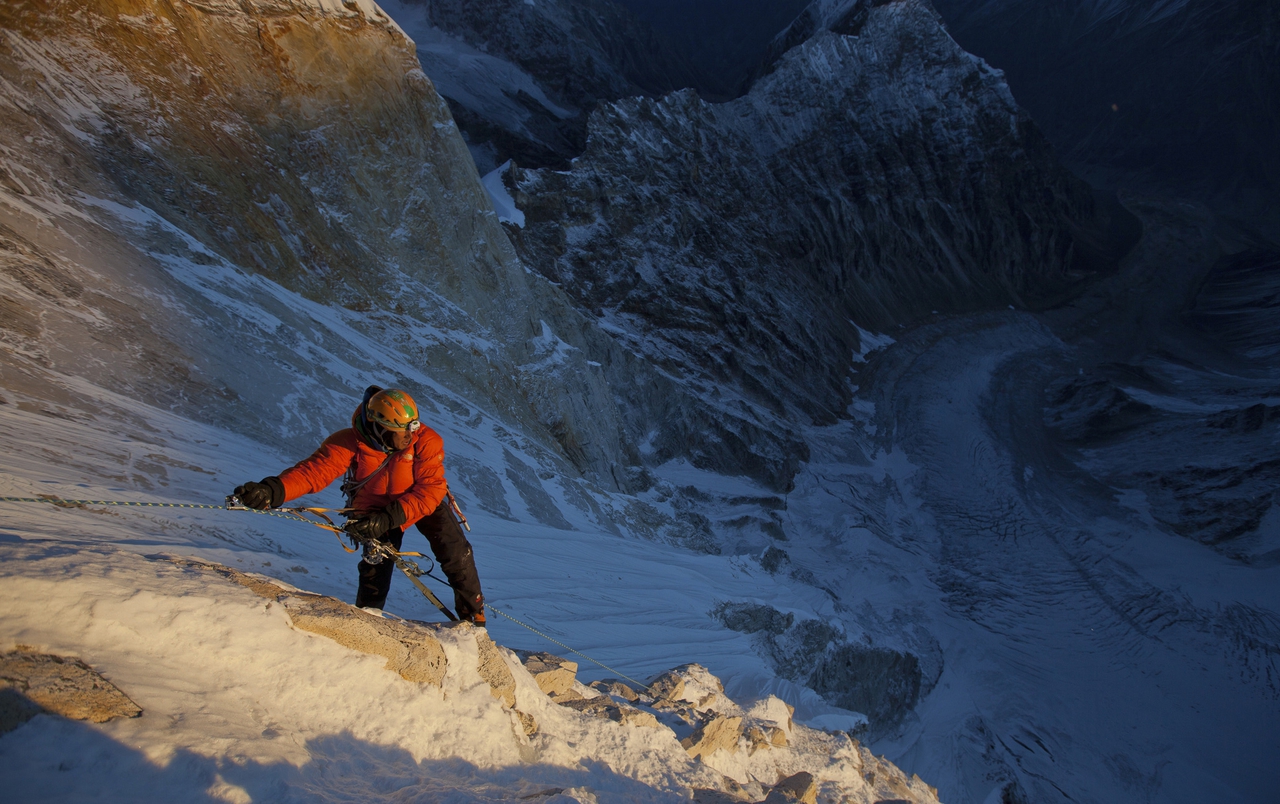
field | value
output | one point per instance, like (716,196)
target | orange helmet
(392,409)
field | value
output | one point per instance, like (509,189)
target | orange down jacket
(414,476)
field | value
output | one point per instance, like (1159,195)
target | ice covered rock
(555,675)
(411,650)
(493,669)
(694,687)
(32,682)
(604,707)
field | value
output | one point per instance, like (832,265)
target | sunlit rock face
(161,158)
(522,77)
(876,175)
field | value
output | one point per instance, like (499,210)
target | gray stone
(612,686)
(604,707)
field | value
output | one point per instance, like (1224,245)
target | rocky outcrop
(720,733)
(877,175)
(412,650)
(881,683)
(32,683)
(521,77)
(799,788)
(554,675)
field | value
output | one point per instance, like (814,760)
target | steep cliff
(522,77)
(196,193)
(877,175)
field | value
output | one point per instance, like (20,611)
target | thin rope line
(644,687)
(58,501)
(61,503)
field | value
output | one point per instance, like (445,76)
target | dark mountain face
(522,77)
(723,39)
(868,181)
(1179,96)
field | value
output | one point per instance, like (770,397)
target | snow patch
(503,203)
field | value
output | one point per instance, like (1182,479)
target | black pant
(452,551)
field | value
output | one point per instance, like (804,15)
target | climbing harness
(350,485)
(382,550)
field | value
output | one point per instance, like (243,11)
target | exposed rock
(612,686)
(411,650)
(493,668)
(528,723)
(31,683)
(798,788)
(881,683)
(718,733)
(706,795)
(555,675)
(888,783)
(871,178)
(668,687)
(298,141)
(604,707)
(750,618)
(765,737)
(694,687)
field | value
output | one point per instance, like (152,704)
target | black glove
(371,525)
(261,496)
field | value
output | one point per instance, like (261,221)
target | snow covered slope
(991,559)
(207,248)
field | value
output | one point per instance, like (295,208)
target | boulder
(800,788)
(614,687)
(31,683)
(719,732)
(555,675)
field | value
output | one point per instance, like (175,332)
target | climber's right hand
(261,496)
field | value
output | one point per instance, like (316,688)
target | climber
(394,478)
